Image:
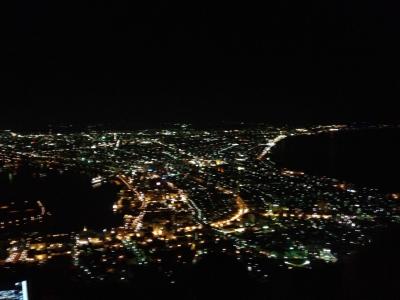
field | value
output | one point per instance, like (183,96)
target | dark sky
(286,61)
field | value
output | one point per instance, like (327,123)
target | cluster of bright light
(175,184)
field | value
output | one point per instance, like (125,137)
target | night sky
(286,61)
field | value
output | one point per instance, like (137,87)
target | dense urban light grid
(184,193)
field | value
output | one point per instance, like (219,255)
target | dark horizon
(84,62)
(152,112)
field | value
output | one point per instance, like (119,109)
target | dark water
(69,197)
(369,157)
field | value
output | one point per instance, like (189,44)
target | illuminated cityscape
(183,194)
(199,150)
